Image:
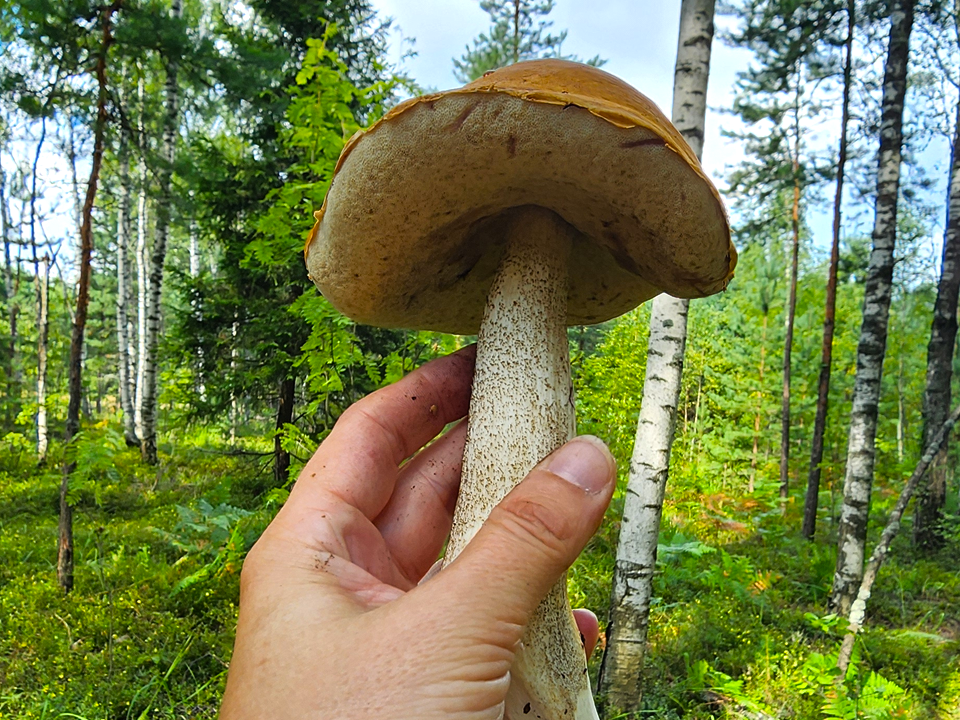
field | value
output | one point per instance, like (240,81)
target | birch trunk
(812,497)
(620,681)
(13,310)
(928,513)
(75,380)
(143,270)
(859,608)
(43,332)
(124,370)
(42,297)
(148,438)
(861,452)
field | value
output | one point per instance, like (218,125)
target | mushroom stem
(521,410)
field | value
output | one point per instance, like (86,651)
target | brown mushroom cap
(408,235)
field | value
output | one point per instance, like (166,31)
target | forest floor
(737,628)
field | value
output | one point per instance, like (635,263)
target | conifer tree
(519,31)
(830,306)
(65,547)
(776,96)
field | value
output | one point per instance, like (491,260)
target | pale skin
(333,621)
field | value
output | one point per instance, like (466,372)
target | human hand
(333,623)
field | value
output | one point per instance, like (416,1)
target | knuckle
(540,522)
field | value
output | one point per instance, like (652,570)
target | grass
(736,628)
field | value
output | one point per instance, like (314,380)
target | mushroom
(542,195)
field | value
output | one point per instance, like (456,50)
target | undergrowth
(737,625)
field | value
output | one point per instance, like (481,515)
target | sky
(638,49)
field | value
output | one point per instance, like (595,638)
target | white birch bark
(637,549)
(42,285)
(143,273)
(43,328)
(861,452)
(124,367)
(148,413)
(194,252)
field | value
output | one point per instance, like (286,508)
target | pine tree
(777,95)
(812,497)
(75,382)
(518,31)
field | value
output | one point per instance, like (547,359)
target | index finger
(359,459)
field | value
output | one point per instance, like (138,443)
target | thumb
(534,534)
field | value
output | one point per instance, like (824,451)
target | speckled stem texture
(521,410)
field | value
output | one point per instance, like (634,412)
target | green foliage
(210,535)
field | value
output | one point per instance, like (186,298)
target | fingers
(417,519)
(358,461)
(533,535)
(589,628)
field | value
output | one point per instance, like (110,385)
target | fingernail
(584,462)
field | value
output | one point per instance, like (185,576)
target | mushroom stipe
(542,195)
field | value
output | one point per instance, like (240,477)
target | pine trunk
(124,369)
(620,681)
(281,458)
(812,497)
(148,438)
(43,332)
(791,313)
(928,514)
(861,451)
(75,378)
(758,414)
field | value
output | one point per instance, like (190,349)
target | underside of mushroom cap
(409,235)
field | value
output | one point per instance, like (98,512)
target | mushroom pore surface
(410,234)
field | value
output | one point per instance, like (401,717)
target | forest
(784,539)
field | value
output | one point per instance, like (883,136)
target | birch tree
(861,450)
(41,286)
(148,438)
(928,513)
(812,496)
(637,549)
(125,351)
(858,609)
(43,332)
(143,272)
